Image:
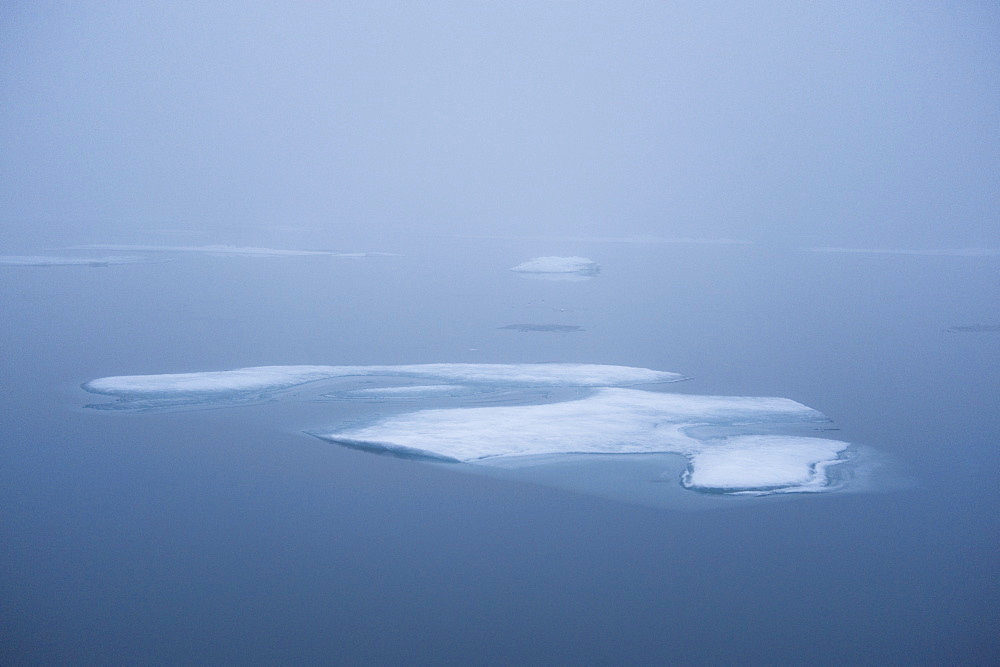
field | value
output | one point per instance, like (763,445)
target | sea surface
(227,533)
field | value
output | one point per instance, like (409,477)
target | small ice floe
(553,328)
(39,260)
(559,268)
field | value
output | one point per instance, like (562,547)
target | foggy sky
(838,123)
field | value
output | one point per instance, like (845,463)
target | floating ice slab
(620,421)
(40,260)
(263,379)
(611,421)
(578,265)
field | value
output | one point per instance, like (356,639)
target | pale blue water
(229,535)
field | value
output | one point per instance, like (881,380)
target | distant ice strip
(579,265)
(656,240)
(550,328)
(621,421)
(241,251)
(975,328)
(40,260)
(618,239)
(955,252)
(262,379)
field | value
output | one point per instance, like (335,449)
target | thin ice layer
(262,379)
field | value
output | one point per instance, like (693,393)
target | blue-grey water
(229,535)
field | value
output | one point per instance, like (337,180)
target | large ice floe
(602,418)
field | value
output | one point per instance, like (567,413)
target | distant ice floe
(228,250)
(953,252)
(40,260)
(549,328)
(660,240)
(558,268)
(637,240)
(975,328)
(534,427)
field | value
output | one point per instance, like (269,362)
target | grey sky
(837,123)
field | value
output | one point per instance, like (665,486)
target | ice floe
(620,421)
(213,385)
(727,441)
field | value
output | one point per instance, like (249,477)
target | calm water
(228,535)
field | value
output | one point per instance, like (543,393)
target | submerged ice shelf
(603,417)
